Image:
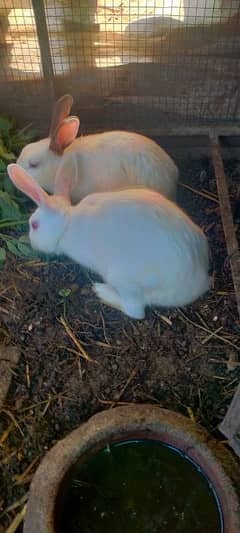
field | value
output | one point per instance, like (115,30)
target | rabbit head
(41,159)
(48,222)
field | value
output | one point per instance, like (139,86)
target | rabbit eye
(34,224)
(33,165)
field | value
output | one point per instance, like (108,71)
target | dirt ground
(172,358)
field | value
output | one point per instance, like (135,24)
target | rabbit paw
(128,305)
(108,295)
(133,308)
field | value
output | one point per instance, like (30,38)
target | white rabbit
(105,161)
(146,249)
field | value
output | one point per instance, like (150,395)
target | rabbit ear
(66,176)
(60,111)
(64,135)
(27,185)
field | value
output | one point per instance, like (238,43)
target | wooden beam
(44,45)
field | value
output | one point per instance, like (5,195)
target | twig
(77,343)
(80,372)
(214,195)
(186,319)
(6,459)
(17,520)
(224,293)
(114,403)
(220,378)
(104,345)
(5,434)
(222,362)
(213,279)
(231,361)
(6,289)
(20,478)
(200,193)
(14,505)
(104,328)
(202,320)
(13,420)
(47,405)
(164,318)
(119,396)
(28,376)
(191,415)
(152,398)
(38,404)
(3,310)
(211,335)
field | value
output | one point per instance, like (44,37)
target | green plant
(64,293)
(12,203)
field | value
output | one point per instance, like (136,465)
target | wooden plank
(230,426)
(226,215)
(44,45)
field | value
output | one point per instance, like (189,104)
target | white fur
(105,161)
(146,249)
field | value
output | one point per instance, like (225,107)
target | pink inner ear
(64,135)
(27,185)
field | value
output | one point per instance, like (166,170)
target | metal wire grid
(134,61)
(20,56)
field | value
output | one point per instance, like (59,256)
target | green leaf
(18,139)
(8,186)
(26,249)
(5,125)
(2,256)
(3,167)
(9,209)
(20,247)
(12,247)
(64,292)
(25,238)
(6,223)
(4,154)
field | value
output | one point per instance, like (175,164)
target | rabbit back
(110,160)
(137,238)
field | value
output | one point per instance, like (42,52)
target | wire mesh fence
(129,63)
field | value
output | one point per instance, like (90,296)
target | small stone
(85,292)
(74,287)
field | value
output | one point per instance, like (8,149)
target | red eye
(34,224)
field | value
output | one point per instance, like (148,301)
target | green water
(139,487)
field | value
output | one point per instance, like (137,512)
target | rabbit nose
(34,224)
